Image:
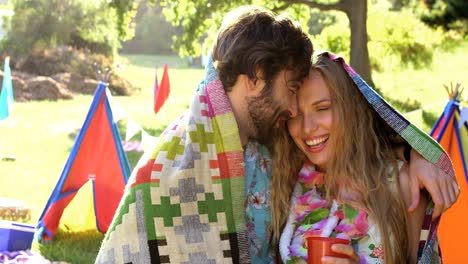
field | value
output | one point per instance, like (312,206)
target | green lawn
(39,135)
(425,86)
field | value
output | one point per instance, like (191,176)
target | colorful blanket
(184,202)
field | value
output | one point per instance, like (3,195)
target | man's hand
(442,187)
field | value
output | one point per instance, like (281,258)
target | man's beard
(265,114)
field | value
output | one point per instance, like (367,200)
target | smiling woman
(352,184)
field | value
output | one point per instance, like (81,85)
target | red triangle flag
(162,92)
(156,87)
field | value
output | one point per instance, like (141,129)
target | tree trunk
(356,10)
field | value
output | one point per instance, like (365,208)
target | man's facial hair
(265,113)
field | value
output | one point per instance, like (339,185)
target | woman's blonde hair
(362,165)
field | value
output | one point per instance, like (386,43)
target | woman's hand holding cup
(345,249)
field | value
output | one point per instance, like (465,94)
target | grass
(426,86)
(73,247)
(151,61)
(142,73)
(40,134)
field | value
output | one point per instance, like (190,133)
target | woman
(352,184)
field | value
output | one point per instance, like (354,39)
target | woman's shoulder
(404,186)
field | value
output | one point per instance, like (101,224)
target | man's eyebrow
(296,79)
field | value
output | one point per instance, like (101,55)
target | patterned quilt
(184,203)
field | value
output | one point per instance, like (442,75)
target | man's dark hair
(258,41)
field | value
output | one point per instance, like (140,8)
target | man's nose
(292,110)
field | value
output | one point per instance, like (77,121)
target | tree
(126,11)
(446,12)
(200,18)
(153,34)
(44,24)
(356,11)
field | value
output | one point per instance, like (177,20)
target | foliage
(201,35)
(404,105)
(46,37)
(153,34)
(411,45)
(197,18)
(201,19)
(335,37)
(125,11)
(451,14)
(43,24)
(48,62)
(319,20)
(397,5)
(81,63)
(390,44)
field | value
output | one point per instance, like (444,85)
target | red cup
(317,247)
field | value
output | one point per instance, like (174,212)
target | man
(192,199)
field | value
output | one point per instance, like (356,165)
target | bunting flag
(6,96)
(161,93)
(130,128)
(155,88)
(452,133)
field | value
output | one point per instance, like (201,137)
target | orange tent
(97,168)
(453,137)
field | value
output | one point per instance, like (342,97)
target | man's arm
(443,188)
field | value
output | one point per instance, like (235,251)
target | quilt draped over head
(184,202)
(419,141)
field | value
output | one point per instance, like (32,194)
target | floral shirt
(312,215)
(257,210)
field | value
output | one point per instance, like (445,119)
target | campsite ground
(39,135)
